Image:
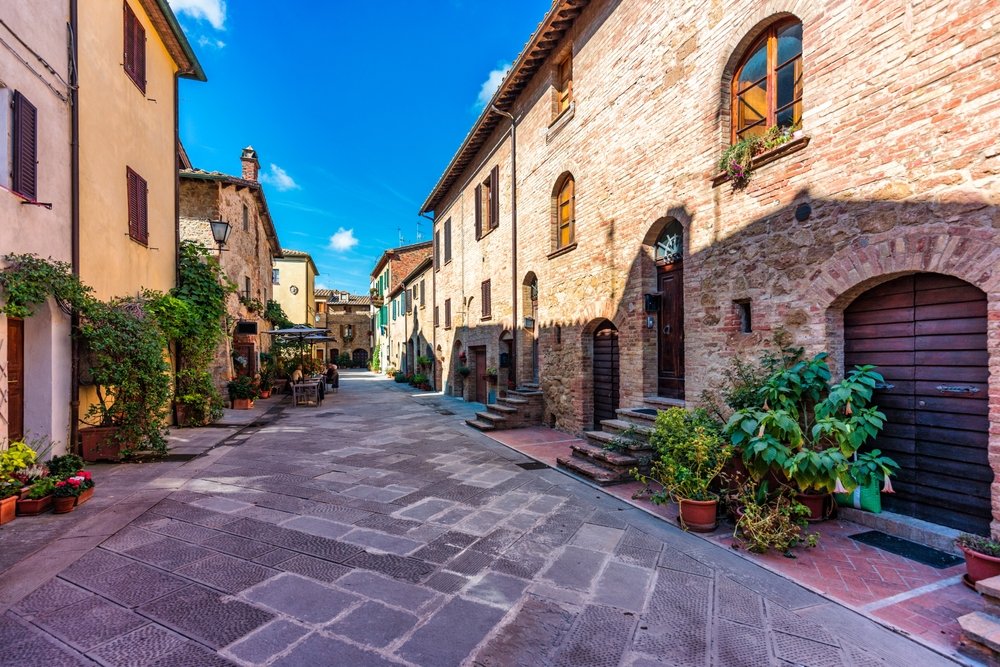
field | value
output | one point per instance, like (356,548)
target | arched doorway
(605,368)
(529,300)
(360,358)
(668,251)
(926,333)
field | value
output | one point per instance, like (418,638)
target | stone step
(982,628)
(638,416)
(501,408)
(489,417)
(512,401)
(620,426)
(524,392)
(480,425)
(662,403)
(603,438)
(617,461)
(591,471)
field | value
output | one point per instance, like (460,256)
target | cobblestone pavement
(378,530)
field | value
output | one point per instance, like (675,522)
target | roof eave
(193,69)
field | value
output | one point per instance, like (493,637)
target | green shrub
(64,466)
(690,455)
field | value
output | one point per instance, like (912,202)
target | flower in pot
(87,487)
(242,391)
(38,499)
(807,431)
(690,455)
(463,371)
(64,466)
(65,494)
(982,557)
(10,491)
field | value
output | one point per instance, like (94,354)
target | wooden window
(437,250)
(246,287)
(24,172)
(135,49)
(487,300)
(447,240)
(246,218)
(767,87)
(407,300)
(488,203)
(423,302)
(138,223)
(436,314)
(564,84)
(565,212)
(447,313)
(275,276)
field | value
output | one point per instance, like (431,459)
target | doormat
(896,545)
(532,465)
(646,411)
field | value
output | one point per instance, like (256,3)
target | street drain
(532,465)
(907,549)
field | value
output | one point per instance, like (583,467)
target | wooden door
(479,369)
(927,335)
(15,378)
(670,348)
(605,373)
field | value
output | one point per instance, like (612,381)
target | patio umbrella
(300,333)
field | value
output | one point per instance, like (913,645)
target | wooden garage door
(927,335)
(605,373)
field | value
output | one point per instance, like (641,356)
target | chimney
(251,167)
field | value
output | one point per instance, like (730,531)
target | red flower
(83,473)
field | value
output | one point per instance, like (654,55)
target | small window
(24,139)
(487,300)
(447,240)
(423,302)
(246,218)
(275,276)
(767,87)
(437,250)
(488,204)
(744,315)
(134,58)
(565,212)
(564,84)
(436,316)
(246,288)
(138,223)
(447,313)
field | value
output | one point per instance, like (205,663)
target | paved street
(379,530)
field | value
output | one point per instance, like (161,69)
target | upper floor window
(447,240)
(134,59)
(437,250)
(565,211)
(564,84)
(487,205)
(447,313)
(246,218)
(24,146)
(275,275)
(767,86)
(423,298)
(487,304)
(138,222)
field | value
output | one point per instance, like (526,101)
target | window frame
(137,190)
(486,300)
(24,147)
(134,49)
(768,38)
(565,182)
(447,241)
(246,218)
(488,204)
(563,84)
(447,313)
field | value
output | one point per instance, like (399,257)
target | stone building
(411,327)
(247,259)
(392,266)
(622,269)
(349,321)
(294,280)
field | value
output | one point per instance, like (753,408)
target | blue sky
(354,109)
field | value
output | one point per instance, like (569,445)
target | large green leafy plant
(811,432)
(690,454)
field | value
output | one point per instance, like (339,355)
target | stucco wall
(296,272)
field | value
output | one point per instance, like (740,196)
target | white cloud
(213,11)
(280,179)
(206,41)
(321,285)
(491,84)
(343,240)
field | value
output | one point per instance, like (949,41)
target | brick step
(603,438)
(634,416)
(512,401)
(619,426)
(480,425)
(527,393)
(489,417)
(982,628)
(591,471)
(502,409)
(617,461)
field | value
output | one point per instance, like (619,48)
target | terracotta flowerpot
(8,509)
(29,507)
(820,505)
(980,566)
(242,403)
(84,496)
(265,393)
(96,444)
(63,504)
(698,515)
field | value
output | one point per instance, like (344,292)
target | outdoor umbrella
(300,333)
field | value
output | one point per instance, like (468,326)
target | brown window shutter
(487,297)
(140,55)
(143,209)
(436,316)
(437,251)
(133,203)
(25,139)
(479,211)
(128,48)
(495,197)
(135,48)
(447,240)
(447,313)
(422,302)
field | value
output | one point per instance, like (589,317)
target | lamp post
(220,232)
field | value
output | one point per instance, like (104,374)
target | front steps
(519,408)
(609,455)
(982,628)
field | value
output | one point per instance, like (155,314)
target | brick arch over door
(969,255)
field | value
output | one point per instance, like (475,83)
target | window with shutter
(24,174)
(436,313)
(423,301)
(479,211)
(494,191)
(447,313)
(246,218)
(437,251)
(447,240)
(138,223)
(134,58)
(487,300)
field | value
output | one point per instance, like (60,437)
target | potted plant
(737,160)
(463,371)
(807,431)
(64,466)
(690,454)
(65,494)
(87,487)
(242,391)
(491,373)
(770,520)
(266,382)
(38,499)
(982,557)
(10,491)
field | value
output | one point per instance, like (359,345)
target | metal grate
(907,549)
(532,465)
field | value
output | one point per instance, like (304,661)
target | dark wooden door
(605,373)
(479,368)
(927,335)
(15,378)
(671,333)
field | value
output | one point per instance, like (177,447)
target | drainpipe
(513,235)
(74,178)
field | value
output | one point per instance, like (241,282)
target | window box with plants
(738,161)
(242,392)
(38,498)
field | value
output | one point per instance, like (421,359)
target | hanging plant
(737,160)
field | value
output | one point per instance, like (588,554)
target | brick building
(248,259)
(348,318)
(624,271)
(392,266)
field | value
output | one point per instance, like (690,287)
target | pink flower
(887,487)
(839,487)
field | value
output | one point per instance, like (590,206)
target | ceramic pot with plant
(811,433)
(10,491)
(87,488)
(242,391)
(690,455)
(982,557)
(65,495)
(38,499)
(492,373)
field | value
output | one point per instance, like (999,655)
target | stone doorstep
(601,438)
(491,418)
(630,416)
(606,458)
(480,425)
(597,474)
(501,408)
(618,426)
(990,588)
(512,401)
(982,628)
(909,528)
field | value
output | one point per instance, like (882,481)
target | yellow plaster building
(294,276)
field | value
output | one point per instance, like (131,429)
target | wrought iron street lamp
(220,232)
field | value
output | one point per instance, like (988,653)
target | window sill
(144,244)
(487,232)
(486,318)
(767,157)
(562,251)
(560,121)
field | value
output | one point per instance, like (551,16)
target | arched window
(670,244)
(767,86)
(565,211)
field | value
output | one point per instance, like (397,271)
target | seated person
(297,374)
(333,375)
